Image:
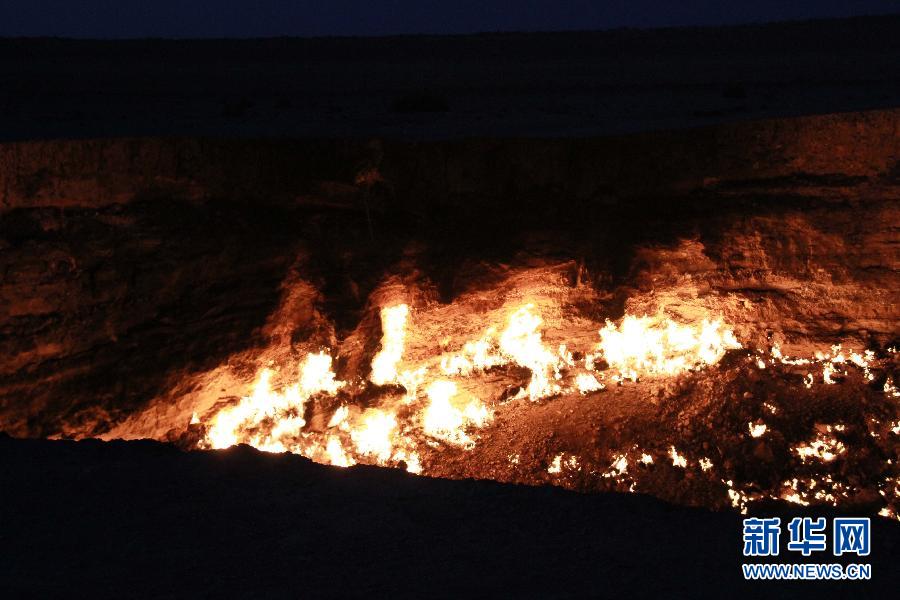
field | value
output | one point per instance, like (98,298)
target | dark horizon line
(499,32)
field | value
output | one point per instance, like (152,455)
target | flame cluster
(423,405)
(657,346)
(435,409)
(266,419)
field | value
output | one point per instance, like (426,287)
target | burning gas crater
(434,408)
(406,411)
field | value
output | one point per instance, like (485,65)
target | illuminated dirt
(720,334)
(747,424)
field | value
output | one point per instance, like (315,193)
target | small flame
(585,382)
(555,466)
(444,421)
(336,454)
(522,342)
(823,447)
(757,429)
(677,459)
(339,417)
(393,326)
(618,467)
(374,436)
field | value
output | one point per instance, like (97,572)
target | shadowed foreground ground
(142,519)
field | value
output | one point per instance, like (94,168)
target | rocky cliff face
(127,263)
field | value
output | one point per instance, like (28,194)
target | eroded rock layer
(147,283)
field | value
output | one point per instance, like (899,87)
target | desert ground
(520,85)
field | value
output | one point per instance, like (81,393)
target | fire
(832,362)
(757,429)
(413,463)
(266,418)
(521,341)
(478,355)
(274,419)
(431,404)
(373,437)
(823,447)
(555,466)
(444,421)
(677,459)
(558,463)
(618,467)
(339,417)
(585,382)
(336,454)
(660,346)
(738,499)
(393,325)
(316,376)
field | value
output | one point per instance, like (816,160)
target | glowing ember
(677,459)
(738,499)
(823,447)
(555,466)
(618,467)
(794,498)
(757,429)
(890,388)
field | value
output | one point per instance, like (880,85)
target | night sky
(258,18)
